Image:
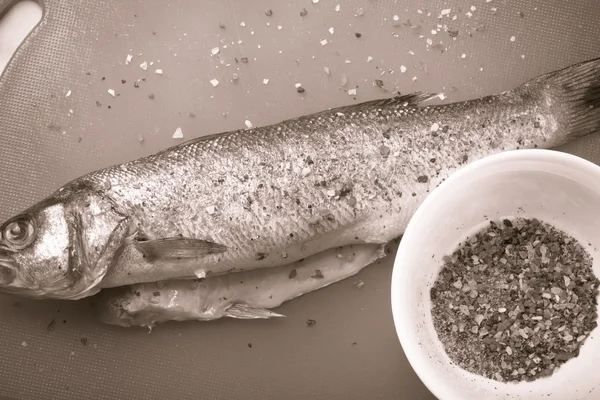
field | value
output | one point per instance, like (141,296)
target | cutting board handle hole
(16,23)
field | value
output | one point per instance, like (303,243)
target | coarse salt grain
(111,92)
(144,65)
(265,81)
(352,92)
(159,71)
(248,124)
(214,82)
(324,42)
(128,59)
(68,94)
(178,134)
(435,127)
(403,69)
(331,30)
(214,51)
(513,38)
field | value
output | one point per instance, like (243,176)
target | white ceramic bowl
(555,187)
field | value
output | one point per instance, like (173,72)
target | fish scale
(371,165)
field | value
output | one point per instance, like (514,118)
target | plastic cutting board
(47,138)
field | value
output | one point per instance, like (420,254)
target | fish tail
(575,92)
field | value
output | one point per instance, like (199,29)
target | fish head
(60,248)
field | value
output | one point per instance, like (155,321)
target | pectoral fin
(244,311)
(177,248)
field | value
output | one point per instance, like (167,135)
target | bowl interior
(554,187)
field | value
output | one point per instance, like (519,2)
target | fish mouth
(7,272)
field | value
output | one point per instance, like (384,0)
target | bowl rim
(407,338)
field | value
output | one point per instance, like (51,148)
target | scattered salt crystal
(414,78)
(473,8)
(24,344)
(315,1)
(68,94)
(435,127)
(344,80)
(279,27)
(151,62)
(111,92)
(352,92)
(248,124)
(454,18)
(159,71)
(396,18)
(297,85)
(494,9)
(71,111)
(522,56)
(214,82)
(323,42)
(214,51)
(412,53)
(434,32)
(446,11)
(469,14)
(420,11)
(265,81)
(128,59)
(331,30)
(337,7)
(347,62)
(211,210)
(242,23)
(463,55)
(442,96)
(369,59)
(144,65)
(513,38)
(326,69)
(429,42)
(178,134)
(403,69)
(358,284)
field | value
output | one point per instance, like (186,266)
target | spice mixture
(515,301)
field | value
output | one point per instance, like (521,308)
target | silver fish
(245,295)
(273,195)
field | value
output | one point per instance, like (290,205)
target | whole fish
(244,295)
(273,195)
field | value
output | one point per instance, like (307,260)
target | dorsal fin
(412,99)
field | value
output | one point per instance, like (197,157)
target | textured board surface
(48,138)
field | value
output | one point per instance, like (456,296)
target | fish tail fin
(575,92)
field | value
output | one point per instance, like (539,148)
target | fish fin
(412,99)
(177,247)
(575,91)
(244,311)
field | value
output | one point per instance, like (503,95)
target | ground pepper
(515,301)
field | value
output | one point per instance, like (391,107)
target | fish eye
(18,233)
